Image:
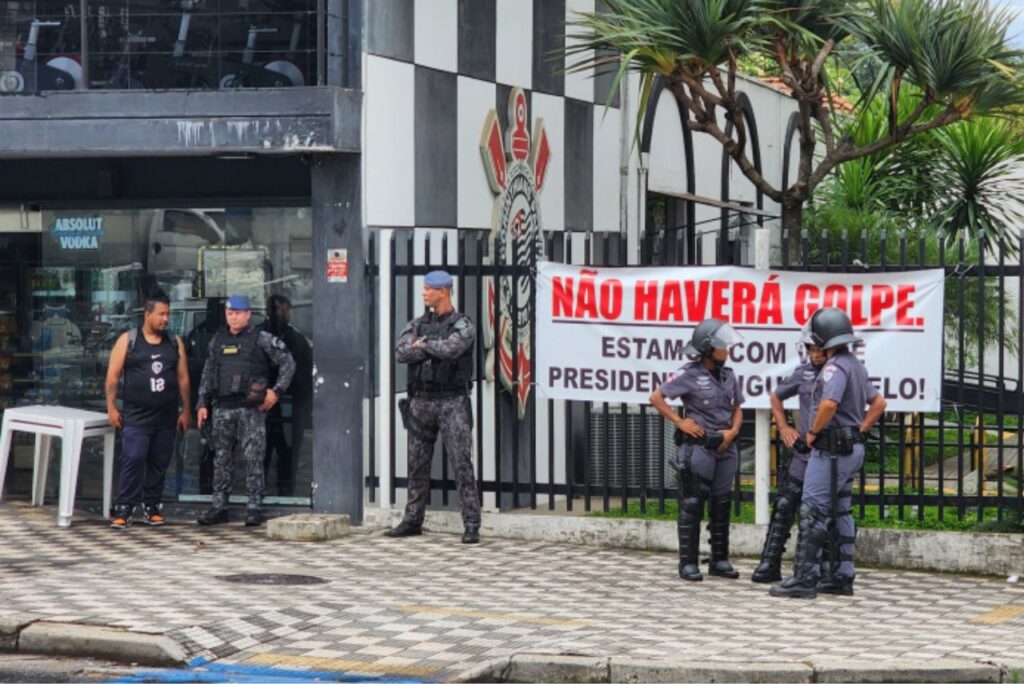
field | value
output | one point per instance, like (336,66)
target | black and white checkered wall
(433,71)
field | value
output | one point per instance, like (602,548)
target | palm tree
(963,180)
(951,55)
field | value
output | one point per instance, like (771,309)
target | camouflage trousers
(450,417)
(244,429)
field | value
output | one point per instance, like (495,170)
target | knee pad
(813,514)
(794,490)
(692,506)
(784,505)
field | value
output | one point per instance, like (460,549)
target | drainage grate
(272,579)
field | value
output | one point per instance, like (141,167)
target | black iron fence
(964,462)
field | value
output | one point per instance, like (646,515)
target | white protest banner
(615,334)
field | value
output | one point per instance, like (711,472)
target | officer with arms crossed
(837,437)
(155,373)
(438,346)
(235,382)
(791,484)
(708,458)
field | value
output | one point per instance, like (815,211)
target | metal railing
(967,460)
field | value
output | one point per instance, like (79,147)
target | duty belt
(840,441)
(711,439)
(423,394)
(231,402)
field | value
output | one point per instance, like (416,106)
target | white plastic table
(72,426)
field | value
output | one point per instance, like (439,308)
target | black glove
(800,446)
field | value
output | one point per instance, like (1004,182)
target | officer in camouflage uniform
(235,382)
(800,384)
(848,405)
(438,346)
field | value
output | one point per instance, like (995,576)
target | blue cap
(438,279)
(238,303)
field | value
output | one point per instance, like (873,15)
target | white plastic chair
(72,426)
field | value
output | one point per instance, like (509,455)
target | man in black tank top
(154,370)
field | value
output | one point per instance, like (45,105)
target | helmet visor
(806,336)
(725,337)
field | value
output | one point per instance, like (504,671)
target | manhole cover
(272,579)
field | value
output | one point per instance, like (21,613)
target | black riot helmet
(709,335)
(830,327)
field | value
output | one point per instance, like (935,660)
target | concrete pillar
(341,338)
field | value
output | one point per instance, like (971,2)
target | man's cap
(238,303)
(438,279)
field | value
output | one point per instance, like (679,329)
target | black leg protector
(719,529)
(784,512)
(812,537)
(691,512)
(832,580)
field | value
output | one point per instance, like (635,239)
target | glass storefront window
(157,44)
(95,270)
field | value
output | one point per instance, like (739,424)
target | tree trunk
(792,225)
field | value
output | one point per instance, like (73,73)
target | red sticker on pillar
(337,265)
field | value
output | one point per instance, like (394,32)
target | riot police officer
(836,436)
(438,346)
(708,458)
(235,382)
(791,480)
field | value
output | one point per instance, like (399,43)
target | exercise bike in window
(245,74)
(30,76)
(182,68)
(287,66)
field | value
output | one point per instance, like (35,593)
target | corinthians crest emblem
(516,165)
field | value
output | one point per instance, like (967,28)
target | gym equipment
(29,76)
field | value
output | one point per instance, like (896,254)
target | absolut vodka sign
(78,232)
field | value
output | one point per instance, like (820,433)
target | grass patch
(891,520)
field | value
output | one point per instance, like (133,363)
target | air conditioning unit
(654,453)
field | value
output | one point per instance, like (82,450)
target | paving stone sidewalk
(430,607)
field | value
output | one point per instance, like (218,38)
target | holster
(685,473)
(403,411)
(711,440)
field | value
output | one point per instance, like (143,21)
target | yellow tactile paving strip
(489,615)
(999,615)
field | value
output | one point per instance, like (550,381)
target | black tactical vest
(435,375)
(239,362)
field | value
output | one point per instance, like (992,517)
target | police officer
(837,435)
(791,484)
(438,346)
(235,382)
(708,457)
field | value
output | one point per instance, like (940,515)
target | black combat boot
(840,585)
(786,505)
(804,583)
(213,516)
(471,535)
(405,529)
(719,529)
(253,517)
(691,512)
